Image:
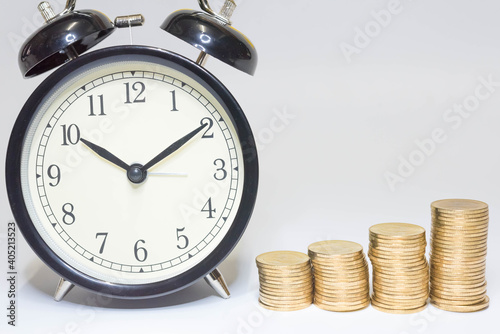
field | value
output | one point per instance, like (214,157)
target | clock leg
(62,289)
(217,282)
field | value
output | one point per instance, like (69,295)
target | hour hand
(105,154)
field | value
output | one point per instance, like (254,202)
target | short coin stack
(458,255)
(286,281)
(341,279)
(400,268)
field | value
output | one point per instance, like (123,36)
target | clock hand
(167,174)
(103,153)
(172,148)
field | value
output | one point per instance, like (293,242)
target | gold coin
(399,311)
(286,271)
(331,291)
(383,240)
(336,259)
(342,294)
(460,219)
(284,307)
(459,236)
(345,284)
(460,241)
(356,276)
(469,308)
(414,290)
(397,230)
(462,281)
(288,276)
(399,304)
(463,259)
(400,286)
(280,259)
(353,266)
(341,271)
(400,280)
(472,235)
(335,248)
(285,292)
(457,300)
(413,255)
(285,297)
(482,230)
(465,206)
(457,243)
(342,298)
(380,241)
(457,224)
(442,292)
(459,256)
(399,267)
(453,276)
(302,293)
(343,308)
(271,300)
(340,281)
(324,301)
(339,274)
(450,263)
(457,269)
(286,287)
(410,296)
(460,252)
(458,213)
(457,289)
(460,271)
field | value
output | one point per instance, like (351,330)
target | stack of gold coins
(400,268)
(286,281)
(341,279)
(458,255)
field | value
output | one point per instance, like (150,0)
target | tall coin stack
(286,281)
(341,279)
(400,268)
(458,255)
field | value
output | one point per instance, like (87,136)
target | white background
(331,125)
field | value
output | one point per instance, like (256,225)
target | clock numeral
(208,208)
(174,103)
(54,173)
(221,173)
(71,134)
(69,216)
(182,236)
(101,105)
(143,252)
(105,235)
(136,87)
(210,123)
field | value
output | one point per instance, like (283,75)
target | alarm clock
(131,170)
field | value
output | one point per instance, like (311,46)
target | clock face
(132,171)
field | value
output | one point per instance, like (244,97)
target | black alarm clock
(131,170)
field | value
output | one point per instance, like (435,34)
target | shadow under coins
(45,280)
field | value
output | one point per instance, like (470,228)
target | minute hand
(172,148)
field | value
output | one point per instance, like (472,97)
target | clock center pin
(136,175)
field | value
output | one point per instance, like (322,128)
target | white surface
(329,130)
